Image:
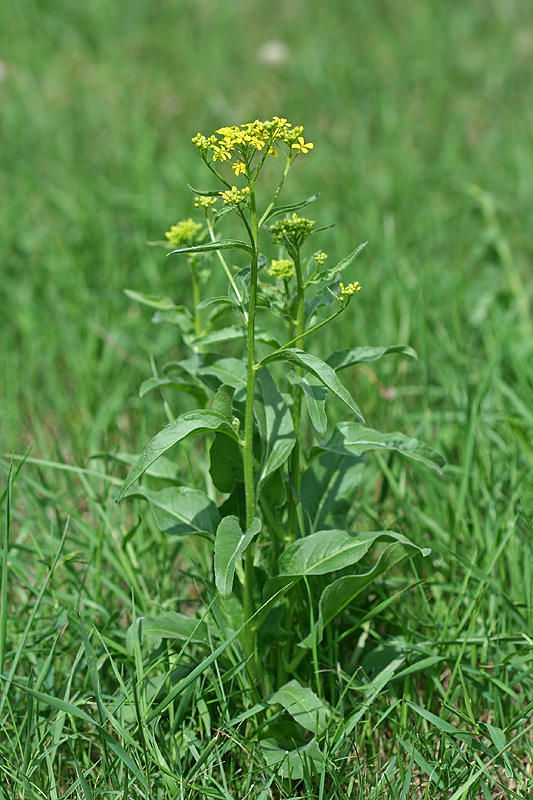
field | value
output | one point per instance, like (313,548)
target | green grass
(420,117)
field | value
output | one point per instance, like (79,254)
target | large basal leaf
(293,763)
(355,439)
(315,398)
(230,543)
(320,370)
(209,247)
(303,705)
(168,625)
(328,489)
(180,510)
(339,594)
(189,424)
(331,550)
(275,423)
(340,359)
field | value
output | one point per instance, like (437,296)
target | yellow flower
(239,167)
(301,146)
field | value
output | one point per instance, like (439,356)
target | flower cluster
(296,229)
(281,269)
(204,202)
(245,140)
(234,196)
(185,233)
(351,289)
(320,258)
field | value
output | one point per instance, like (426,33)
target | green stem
(196,299)
(276,193)
(248,456)
(297,405)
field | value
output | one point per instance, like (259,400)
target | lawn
(421,120)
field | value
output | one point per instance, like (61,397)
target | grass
(420,119)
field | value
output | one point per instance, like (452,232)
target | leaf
(181,510)
(168,625)
(225,458)
(156,301)
(277,428)
(327,274)
(293,763)
(355,439)
(215,301)
(340,359)
(437,722)
(328,551)
(328,489)
(303,705)
(188,424)
(230,543)
(315,398)
(209,247)
(500,743)
(223,400)
(178,317)
(224,368)
(319,369)
(196,390)
(221,335)
(287,209)
(339,594)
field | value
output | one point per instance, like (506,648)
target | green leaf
(189,424)
(179,317)
(288,209)
(303,705)
(168,625)
(276,425)
(341,359)
(315,398)
(196,390)
(328,551)
(500,743)
(319,369)
(293,763)
(328,489)
(224,368)
(339,594)
(327,274)
(230,543)
(201,193)
(181,510)
(156,301)
(355,439)
(439,723)
(225,456)
(222,404)
(216,301)
(209,247)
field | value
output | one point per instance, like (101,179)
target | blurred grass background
(409,106)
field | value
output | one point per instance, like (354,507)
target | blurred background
(422,121)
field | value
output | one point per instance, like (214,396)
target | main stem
(297,404)
(248,454)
